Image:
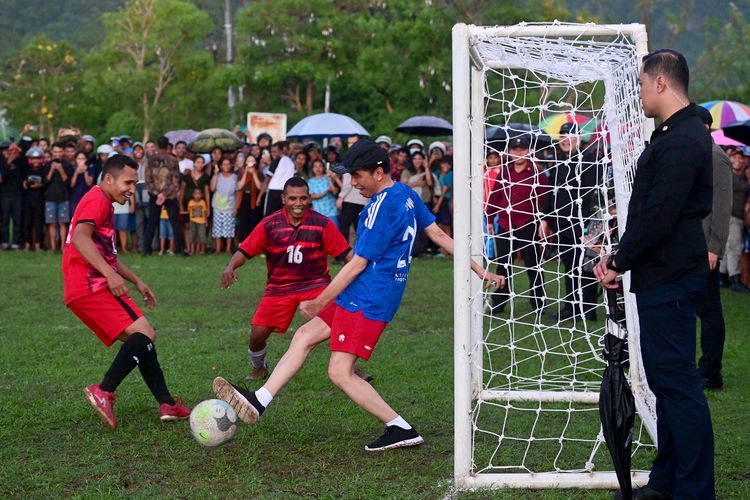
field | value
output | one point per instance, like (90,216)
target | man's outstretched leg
(398,432)
(248,405)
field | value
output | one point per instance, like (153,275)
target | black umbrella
(739,131)
(616,402)
(426,126)
(496,136)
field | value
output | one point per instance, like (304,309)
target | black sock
(124,361)
(151,372)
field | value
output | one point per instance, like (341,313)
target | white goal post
(490,66)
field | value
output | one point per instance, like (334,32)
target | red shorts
(277,311)
(107,316)
(350,331)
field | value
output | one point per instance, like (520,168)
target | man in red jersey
(297,242)
(95,290)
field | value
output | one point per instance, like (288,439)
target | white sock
(264,397)
(400,422)
(258,359)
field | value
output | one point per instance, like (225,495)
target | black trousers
(684,463)
(11,206)
(348,217)
(506,245)
(580,287)
(173,211)
(248,219)
(712,329)
(33,221)
(273,202)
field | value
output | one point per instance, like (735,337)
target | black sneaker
(243,401)
(712,383)
(395,437)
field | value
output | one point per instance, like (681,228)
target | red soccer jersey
(79,277)
(296,256)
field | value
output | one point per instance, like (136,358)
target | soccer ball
(213,422)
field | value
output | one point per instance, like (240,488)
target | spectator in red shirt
(514,204)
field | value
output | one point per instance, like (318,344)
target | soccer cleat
(103,402)
(395,437)
(367,377)
(258,373)
(244,402)
(177,411)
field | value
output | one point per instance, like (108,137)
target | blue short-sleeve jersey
(385,236)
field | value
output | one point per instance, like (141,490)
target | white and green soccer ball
(213,422)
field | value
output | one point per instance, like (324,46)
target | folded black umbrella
(616,402)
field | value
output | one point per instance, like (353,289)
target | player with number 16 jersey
(297,242)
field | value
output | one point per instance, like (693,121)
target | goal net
(548,127)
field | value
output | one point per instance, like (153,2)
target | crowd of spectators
(189,203)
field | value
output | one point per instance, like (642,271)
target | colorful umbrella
(552,124)
(726,112)
(723,140)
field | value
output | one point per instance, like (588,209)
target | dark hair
(117,163)
(418,152)
(295,182)
(70,144)
(180,142)
(669,63)
(57,144)
(162,142)
(281,144)
(705,116)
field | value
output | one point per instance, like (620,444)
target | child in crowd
(166,233)
(198,212)
(224,187)
(323,191)
(443,208)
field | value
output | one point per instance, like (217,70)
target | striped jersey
(79,277)
(296,256)
(387,227)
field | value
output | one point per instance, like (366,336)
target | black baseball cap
(522,141)
(569,128)
(363,153)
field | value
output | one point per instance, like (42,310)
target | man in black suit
(665,251)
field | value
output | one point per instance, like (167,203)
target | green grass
(309,444)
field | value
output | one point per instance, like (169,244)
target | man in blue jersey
(354,309)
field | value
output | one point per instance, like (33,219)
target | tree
(45,80)
(723,71)
(149,47)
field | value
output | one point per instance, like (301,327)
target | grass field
(309,443)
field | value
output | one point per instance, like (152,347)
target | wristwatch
(611,264)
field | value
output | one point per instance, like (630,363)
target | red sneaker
(177,411)
(103,402)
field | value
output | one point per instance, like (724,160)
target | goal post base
(543,480)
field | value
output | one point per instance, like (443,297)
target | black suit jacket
(672,193)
